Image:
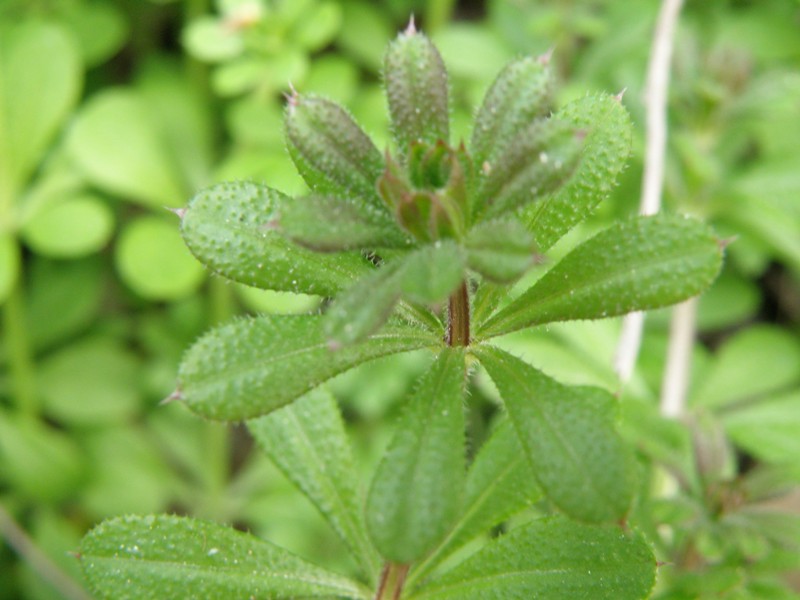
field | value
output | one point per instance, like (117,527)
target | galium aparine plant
(417,248)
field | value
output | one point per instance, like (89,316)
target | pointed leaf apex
(725,242)
(173,397)
(334,345)
(292,96)
(411,29)
(544,59)
(619,96)
(181,212)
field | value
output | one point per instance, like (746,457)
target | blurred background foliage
(112,110)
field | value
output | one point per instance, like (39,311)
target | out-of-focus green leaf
(471,50)
(364,32)
(90,382)
(604,152)
(38,461)
(100,29)
(500,483)
(308,442)
(116,142)
(553,558)
(316,28)
(417,490)
(178,557)
(253,366)
(9,264)
(770,429)
(433,272)
(276,303)
(230,228)
(40,81)
(210,39)
(334,77)
(755,361)
(569,437)
(152,259)
(638,264)
(70,229)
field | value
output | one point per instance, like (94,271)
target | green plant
(431,246)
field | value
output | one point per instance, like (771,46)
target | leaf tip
(411,28)
(334,345)
(181,212)
(292,97)
(173,397)
(725,242)
(544,59)
(619,96)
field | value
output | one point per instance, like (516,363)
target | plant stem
(679,353)
(393,578)
(458,317)
(43,565)
(23,378)
(657,86)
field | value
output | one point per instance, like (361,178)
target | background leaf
(253,366)
(308,442)
(135,557)
(569,437)
(638,264)
(552,558)
(416,491)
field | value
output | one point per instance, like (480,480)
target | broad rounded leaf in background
(116,142)
(70,229)
(40,81)
(100,29)
(176,557)
(209,39)
(90,382)
(153,261)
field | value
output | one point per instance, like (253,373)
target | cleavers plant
(420,248)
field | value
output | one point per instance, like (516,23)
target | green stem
(458,317)
(393,578)
(23,379)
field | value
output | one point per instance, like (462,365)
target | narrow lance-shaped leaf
(308,442)
(568,434)
(416,491)
(520,95)
(539,159)
(416,88)
(427,275)
(328,223)
(638,264)
(501,251)
(253,366)
(602,158)
(130,558)
(500,483)
(230,228)
(554,559)
(331,152)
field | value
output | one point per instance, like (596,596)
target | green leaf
(331,152)
(770,429)
(100,29)
(72,228)
(38,461)
(539,159)
(500,483)
(9,264)
(40,81)
(151,258)
(211,40)
(116,142)
(753,362)
(178,557)
(501,251)
(568,434)
(552,558)
(327,223)
(91,382)
(416,88)
(253,366)
(417,489)
(521,94)
(364,33)
(427,275)
(230,227)
(603,155)
(316,27)
(638,264)
(308,442)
